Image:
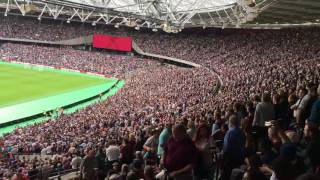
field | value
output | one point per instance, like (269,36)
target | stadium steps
(169,59)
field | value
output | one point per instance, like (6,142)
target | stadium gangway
(170,59)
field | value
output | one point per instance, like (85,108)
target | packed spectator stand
(167,121)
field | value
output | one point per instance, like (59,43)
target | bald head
(233,121)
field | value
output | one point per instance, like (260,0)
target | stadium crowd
(66,57)
(168,122)
(24,28)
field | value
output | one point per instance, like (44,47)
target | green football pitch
(20,84)
(27,90)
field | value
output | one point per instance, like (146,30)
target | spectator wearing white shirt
(301,93)
(264,111)
(113,152)
(76,161)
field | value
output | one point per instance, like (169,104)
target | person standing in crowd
(124,171)
(76,161)
(150,148)
(127,151)
(315,110)
(179,154)
(305,106)
(204,144)
(113,152)
(191,129)
(45,170)
(233,151)
(163,138)
(114,172)
(246,127)
(280,109)
(101,164)
(312,136)
(239,111)
(88,165)
(33,173)
(20,175)
(302,92)
(216,126)
(264,112)
(137,169)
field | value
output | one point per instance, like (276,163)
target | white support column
(104,17)
(201,20)
(42,11)
(88,15)
(7,8)
(231,20)
(212,20)
(75,12)
(240,11)
(95,22)
(235,14)
(51,12)
(221,19)
(58,12)
(19,7)
(179,16)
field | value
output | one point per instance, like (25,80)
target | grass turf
(19,83)
(11,128)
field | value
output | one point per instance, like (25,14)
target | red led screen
(112,42)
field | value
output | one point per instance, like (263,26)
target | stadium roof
(173,15)
(290,12)
(174,5)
